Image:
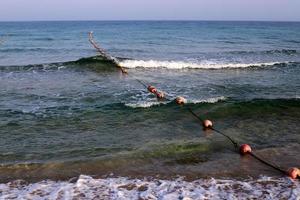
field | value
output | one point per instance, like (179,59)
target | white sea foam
(144,104)
(191,65)
(209,100)
(87,187)
(149,104)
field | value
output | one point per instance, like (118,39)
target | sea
(72,126)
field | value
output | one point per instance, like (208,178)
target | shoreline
(124,188)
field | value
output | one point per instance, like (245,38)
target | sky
(39,10)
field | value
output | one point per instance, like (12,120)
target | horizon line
(145,20)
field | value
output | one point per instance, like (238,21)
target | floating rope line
(235,144)
(244,149)
(268,164)
(103,53)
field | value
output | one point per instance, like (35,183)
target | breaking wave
(191,65)
(147,104)
(98,63)
(87,187)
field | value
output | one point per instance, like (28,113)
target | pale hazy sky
(278,10)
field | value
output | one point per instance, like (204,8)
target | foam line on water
(209,100)
(189,65)
(148,104)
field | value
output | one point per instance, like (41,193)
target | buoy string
(195,115)
(103,53)
(235,144)
(267,163)
(141,82)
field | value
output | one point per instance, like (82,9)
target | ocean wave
(144,104)
(191,65)
(99,63)
(209,100)
(95,63)
(148,104)
(124,188)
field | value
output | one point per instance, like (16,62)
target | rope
(141,82)
(267,163)
(235,144)
(103,53)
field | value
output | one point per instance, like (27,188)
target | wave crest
(190,65)
(147,104)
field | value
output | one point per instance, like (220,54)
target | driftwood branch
(103,53)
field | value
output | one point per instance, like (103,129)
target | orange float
(244,149)
(207,124)
(294,172)
(180,100)
(152,89)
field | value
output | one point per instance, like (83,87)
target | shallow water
(122,188)
(77,114)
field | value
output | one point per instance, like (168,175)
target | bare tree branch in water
(103,53)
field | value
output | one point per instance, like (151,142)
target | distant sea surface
(72,125)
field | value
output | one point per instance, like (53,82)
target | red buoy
(180,100)
(160,95)
(244,149)
(294,172)
(152,89)
(207,124)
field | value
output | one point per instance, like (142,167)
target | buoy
(152,89)
(207,124)
(160,95)
(244,149)
(294,172)
(180,100)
